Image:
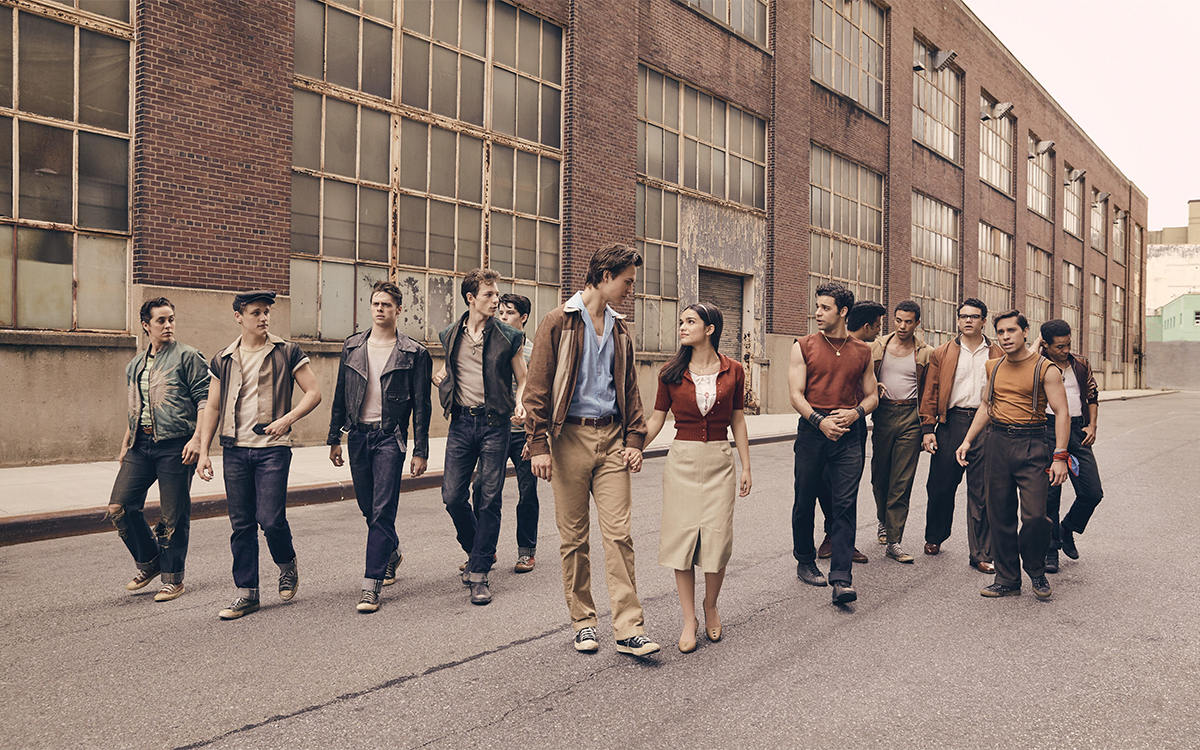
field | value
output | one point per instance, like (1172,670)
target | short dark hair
(909,306)
(148,306)
(614,258)
(972,302)
(476,278)
(1014,313)
(1052,329)
(864,313)
(386,286)
(842,297)
(519,302)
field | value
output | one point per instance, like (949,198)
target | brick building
(752,148)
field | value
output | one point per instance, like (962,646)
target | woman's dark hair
(710,315)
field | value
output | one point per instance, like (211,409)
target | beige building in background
(1173,261)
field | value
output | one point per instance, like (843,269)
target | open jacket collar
(229,350)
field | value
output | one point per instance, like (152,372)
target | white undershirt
(1074,395)
(372,404)
(899,376)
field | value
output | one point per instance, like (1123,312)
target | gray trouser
(1015,460)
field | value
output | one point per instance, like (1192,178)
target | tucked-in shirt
(251,361)
(595,392)
(683,400)
(371,410)
(899,376)
(833,381)
(970,377)
(468,369)
(1012,397)
(144,386)
(1074,395)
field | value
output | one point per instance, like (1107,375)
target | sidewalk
(43,502)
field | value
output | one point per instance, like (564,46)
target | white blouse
(706,391)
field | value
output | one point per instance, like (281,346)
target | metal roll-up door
(725,291)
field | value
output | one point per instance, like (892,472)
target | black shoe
(585,640)
(369,602)
(999,589)
(241,606)
(289,582)
(1051,560)
(1068,544)
(811,574)
(843,593)
(481,593)
(1041,586)
(639,645)
(389,573)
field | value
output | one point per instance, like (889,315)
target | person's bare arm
(1056,394)
(519,373)
(207,425)
(654,425)
(307,380)
(741,440)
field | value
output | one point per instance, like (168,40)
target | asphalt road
(920,661)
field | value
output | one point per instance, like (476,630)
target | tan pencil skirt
(699,489)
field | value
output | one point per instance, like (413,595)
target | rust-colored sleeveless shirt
(834,381)
(1018,396)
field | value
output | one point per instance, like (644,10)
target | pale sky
(1128,73)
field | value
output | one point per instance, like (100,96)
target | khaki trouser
(588,459)
(896,438)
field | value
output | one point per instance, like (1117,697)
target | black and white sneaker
(240,606)
(999,589)
(369,602)
(289,582)
(389,573)
(585,640)
(638,645)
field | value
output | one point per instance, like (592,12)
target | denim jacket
(501,342)
(404,384)
(178,391)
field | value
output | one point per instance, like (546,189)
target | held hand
(439,376)
(518,416)
(883,391)
(1089,434)
(1058,473)
(831,429)
(418,465)
(279,427)
(191,451)
(633,459)
(204,468)
(929,443)
(844,417)
(335,455)
(525,452)
(746,483)
(540,465)
(961,453)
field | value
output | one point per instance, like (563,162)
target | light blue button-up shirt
(595,392)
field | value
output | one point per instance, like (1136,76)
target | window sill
(851,100)
(939,155)
(762,47)
(82,339)
(998,190)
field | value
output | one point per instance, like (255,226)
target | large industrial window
(937,104)
(996,137)
(64,167)
(449,163)
(936,265)
(1096,323)
(1116,339)
(846,218)
(656,305)
(746,17)
(1039,197)
(847,49)
(1072,298)
(1097,222)
(1135,273)
(1038,267)
(1118,243)
(995,268)
(1072,204)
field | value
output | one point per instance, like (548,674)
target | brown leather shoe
(932,549)
(859,557)
(825,551)
(984,567)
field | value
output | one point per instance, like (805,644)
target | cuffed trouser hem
(372,584)
(172,577)
(152,565)
(835,578)
(530,551)
(621,635)
(477,577)
(248,593)
(590,622)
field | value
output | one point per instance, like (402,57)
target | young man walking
(585,429)
(250,408)
(1083,405)
(954,385)
(900,360)
(864,323)
(476,388)
(833,388)
(1019,466)
(383,382)
(168,387)
(514,311)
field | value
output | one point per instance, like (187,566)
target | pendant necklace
(836,349)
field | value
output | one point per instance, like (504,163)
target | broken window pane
(500,251)
(525,250)
(413,314)
(101,295)
(46,67)
(341,48)
(366,276)
(309,52)
(377,60)
(470,238)
(547,252)
(504,101)
(548,195)
(337,300)
(414,82)
(412,231)
(442,162)
(444,87)
(375,148)
(341,133)
(306,129)
(504,35)
(470,169)
(46,166)
(44,273)
(306,192)
(103,81)
(103,182)
(413,154)
(440,306)
(339,220)
(441,235)
(373,224)
(502,176)
(6,280)
(527,108)
(526,185)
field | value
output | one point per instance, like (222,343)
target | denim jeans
(376,465)
(1088,490)
(844,459)
(256,489)
(472,441)
(147,462)
(527,499)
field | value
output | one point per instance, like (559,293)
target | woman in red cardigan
(706,391)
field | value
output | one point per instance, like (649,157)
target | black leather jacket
(501,342)
(406,390)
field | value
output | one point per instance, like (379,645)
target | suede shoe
(168,592)
(1068,543)
(639,645)
(524,564)
(843,593)
(1041,586)
(999,589)
(142,578)
(1051,560)
(811,574)
(389,573)
(825,551)
(585,640)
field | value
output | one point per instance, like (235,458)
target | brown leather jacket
(939,381)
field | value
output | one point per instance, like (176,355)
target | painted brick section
(212,144)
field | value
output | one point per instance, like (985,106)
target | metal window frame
(1072,205)
(1040,178)
(925,208)
(948,118)
(997,138)
(836,45)
(727,19)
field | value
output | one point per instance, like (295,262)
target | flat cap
(258,295)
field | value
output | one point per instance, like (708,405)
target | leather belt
(593,422)
(367,426)
(473,411)
(1019,429)
(147,429)
(962,410)
(899,401)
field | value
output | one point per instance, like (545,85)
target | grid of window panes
(1097,222)
(1041,178)
(1118,243)
(64,167)
(1096,322)
(937,110)
(1116,341)
(996,137)
(995,268)
(936,265)
(420,181)
(1135,271)
(746,17)
(1039,265)
(1072,296)
(1073,204)
(690,138)
(656,305)
(846,216)
(847,49)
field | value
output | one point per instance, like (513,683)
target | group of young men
(984,407)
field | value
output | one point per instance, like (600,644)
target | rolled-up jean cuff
(152,565)
(248,594)
(372,584)
(839,577)
(172,577)
(287,567)
(530,551)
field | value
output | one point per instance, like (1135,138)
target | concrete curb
(1101,398)
(37,527)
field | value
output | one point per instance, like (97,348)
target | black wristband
(862,413)
(815,419)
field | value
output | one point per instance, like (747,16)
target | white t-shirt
(247,400)
(372,405)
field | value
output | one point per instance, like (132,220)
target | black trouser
(1088,492)
(1015,460)
(945,474)
(825,492)
(844,459)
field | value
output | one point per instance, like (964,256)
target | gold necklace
(702,371)
(836,349)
